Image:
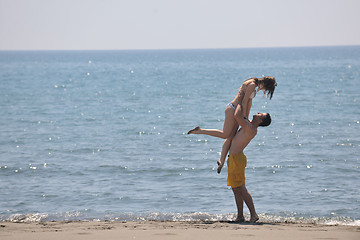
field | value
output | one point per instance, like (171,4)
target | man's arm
(248,108)
(241,118)
(245,102)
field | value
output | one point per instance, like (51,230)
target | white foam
(86,215)
(25,218)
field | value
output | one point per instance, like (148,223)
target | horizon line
(175,49)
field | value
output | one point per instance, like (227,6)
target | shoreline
(152,230)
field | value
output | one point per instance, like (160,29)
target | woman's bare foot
(220,166)
(194,131)
(254,219)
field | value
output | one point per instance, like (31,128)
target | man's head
(263,119)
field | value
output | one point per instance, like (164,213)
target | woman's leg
(229,124)
(224,151)
(225,148)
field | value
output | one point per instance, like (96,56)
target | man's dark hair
(266,120)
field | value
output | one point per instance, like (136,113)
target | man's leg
(249,202)
(239,204)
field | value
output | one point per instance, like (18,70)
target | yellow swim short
(236,170)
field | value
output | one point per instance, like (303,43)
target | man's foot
(254,219)
(194,131)
(220,166)
(239,220)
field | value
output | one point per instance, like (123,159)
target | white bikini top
(253,94)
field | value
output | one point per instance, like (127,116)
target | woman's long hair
(268,84)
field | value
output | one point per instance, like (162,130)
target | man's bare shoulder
(251,130)
(248,132)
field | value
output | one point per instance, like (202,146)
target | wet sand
(152,230)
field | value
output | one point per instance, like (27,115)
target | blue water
(102,134)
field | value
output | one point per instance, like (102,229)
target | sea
(102,135)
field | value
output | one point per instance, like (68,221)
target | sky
(176,24)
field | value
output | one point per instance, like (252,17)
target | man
(237,160)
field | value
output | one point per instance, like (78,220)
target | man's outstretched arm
(241,118)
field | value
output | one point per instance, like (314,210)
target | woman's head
(267,84)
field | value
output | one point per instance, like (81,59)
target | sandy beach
(173,230)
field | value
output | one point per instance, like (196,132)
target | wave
(86,215)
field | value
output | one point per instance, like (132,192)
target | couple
(236,113)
